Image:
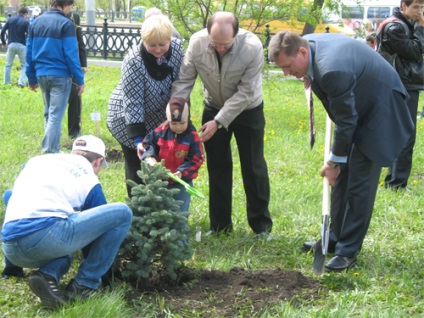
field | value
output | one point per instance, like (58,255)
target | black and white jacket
(137,105)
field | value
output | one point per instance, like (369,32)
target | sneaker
(47,289)
(210,233)
(264,236)
(76,291)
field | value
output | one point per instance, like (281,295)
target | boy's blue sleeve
(94,198)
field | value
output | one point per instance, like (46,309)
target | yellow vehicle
(330,22)
(297,27)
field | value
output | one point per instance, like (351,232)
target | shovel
(321,247)
(190,190)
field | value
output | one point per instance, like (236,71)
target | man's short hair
(409,2)
(90,156)
(234,22)
(61,3)
(285,42)
(23,10)
(157,28)
(371,37)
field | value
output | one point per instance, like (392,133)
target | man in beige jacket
(229,62)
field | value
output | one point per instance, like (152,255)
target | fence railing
(109,42)
(118,15)
(106,42)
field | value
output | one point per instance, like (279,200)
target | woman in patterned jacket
(137,105)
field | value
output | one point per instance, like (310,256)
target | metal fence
(109,42)
(106,42)
(119,15)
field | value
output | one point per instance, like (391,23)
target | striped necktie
(308,91)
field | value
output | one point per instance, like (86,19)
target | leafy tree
(190,16)
(158,238)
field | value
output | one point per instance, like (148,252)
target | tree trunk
(309,28)
(13,3)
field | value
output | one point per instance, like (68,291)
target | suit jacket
(363,95)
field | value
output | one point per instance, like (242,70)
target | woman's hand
(140,150)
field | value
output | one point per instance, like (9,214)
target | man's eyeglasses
(225,46)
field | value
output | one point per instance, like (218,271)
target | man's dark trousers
(74,112)
(248,129)
(352,203)
(400,170)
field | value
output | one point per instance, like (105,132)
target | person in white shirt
(57,208)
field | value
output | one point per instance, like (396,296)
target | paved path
(92,62)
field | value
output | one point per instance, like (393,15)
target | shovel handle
(326,191)
(326,184)
(179,180)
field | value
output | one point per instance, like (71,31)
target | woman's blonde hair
(156,28)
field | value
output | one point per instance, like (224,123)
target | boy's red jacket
(183,152)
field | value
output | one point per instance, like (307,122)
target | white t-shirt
(51,185)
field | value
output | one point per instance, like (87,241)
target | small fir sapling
(157,239)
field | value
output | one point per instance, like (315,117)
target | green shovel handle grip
(179,180)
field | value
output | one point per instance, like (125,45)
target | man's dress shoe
(340,263)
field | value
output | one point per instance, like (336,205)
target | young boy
(179,145)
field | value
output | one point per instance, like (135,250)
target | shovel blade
(192,191)
(321,246)
(325,234)
(319,258)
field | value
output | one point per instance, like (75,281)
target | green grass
(387,281)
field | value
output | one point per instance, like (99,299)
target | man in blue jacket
(18,31)
(52,64)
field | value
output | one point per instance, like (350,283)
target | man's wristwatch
(218,124)
(332,164)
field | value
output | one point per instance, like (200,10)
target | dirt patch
(114,155)
(213,293)
(227,294)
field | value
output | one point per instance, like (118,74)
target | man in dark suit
(75,102)
(364,97)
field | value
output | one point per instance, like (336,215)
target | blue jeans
(14,49)
(98,231)
(55,91)
(182,195)
(9,266)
